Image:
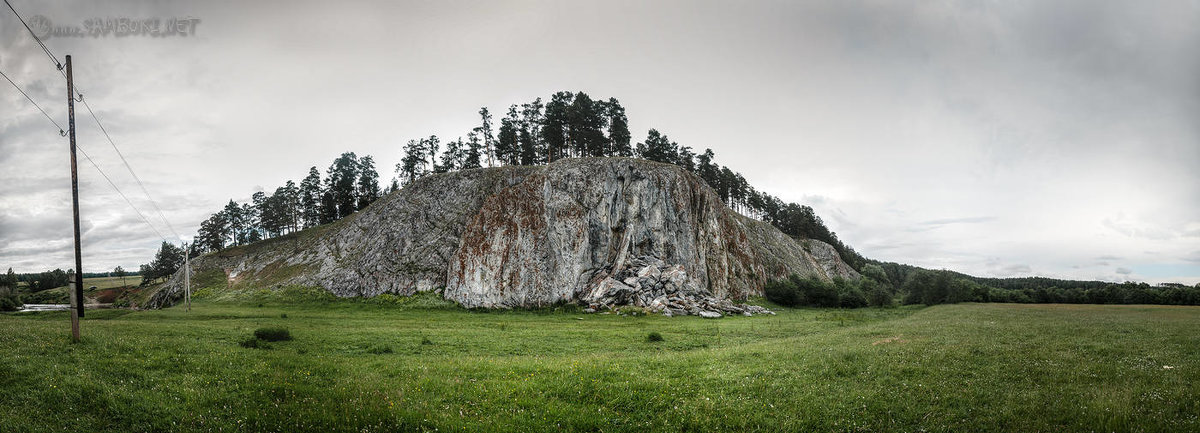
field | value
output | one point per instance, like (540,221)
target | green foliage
(948,287)
(796,291)
(46,280)
(877,293)
(254,343)
(654,337)
(852,298)
(10,301)
(272,333)
(166,262)
(784,292)
(9,280)
(379,349)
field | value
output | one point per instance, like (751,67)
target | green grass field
(421,365)
(102,292)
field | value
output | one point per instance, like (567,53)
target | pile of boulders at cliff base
(653,285)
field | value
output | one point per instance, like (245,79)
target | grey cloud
(1017,269)
(1124,271)
(967,135)
(965,220)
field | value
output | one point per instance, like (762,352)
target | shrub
(273,333)
(379,349)
(783,292)
(425,341)
(254,343)
(818,293)
(880,297)
(852,298)
(10,302)
(653,337)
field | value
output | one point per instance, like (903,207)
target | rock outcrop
(577,230)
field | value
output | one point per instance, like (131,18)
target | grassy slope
(948,368)
(60,294)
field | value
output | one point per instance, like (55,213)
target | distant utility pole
(77,309)
(187,278)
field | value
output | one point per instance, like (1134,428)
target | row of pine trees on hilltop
(568,125)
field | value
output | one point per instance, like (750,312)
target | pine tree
(658,147)
(432,145)
(618,129)
(237,223)
(341,182)
(474,149)
(329,211)
(213,232)
(485,133)
(585,126)
(293,209)
(507,150)
(310,198)
(530,136)
(554,125)
(454,157)
(368,182)
(412,166)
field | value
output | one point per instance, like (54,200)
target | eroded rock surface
(578,230)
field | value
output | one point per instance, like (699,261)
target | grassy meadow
(107,290)
(419,364)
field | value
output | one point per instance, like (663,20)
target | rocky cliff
(578,230)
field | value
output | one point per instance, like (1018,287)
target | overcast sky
(1009,139)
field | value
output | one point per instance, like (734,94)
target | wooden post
(77,300)
(187,279)
(74,318)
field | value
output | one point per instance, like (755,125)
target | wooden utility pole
(77,308)
(187,279)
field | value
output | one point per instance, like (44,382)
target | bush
(272,334)
(379,349)
(853,298)
(783,292)
(254,343)
(653,337)
(425,341)
(818,293)
(10,302)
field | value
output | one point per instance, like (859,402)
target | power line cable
(35,104)
(114,186)
(130,169)
(79,93)
(35,37)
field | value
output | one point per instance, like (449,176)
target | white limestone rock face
(576,230)
(568,231)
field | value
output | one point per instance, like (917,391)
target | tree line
(564,126)
(576,125)
(886,283)
(350,184)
